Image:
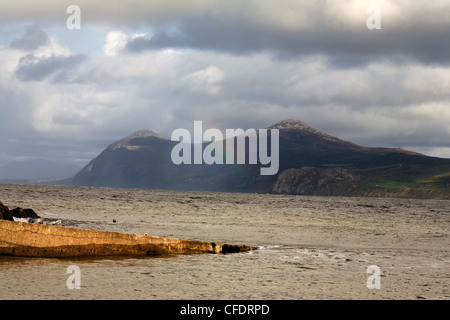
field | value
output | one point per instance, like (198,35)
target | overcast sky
(66,94)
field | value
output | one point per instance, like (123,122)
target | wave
(269,247)
(49,221)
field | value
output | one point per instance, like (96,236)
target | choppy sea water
(309,247)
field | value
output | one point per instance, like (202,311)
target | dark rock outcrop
(24,213)
(313,181)
(4,213)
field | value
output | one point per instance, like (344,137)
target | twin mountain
(311,162)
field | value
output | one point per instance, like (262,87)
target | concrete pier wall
(39,240)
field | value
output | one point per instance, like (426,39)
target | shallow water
(309,247)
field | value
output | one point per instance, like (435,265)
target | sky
(374,72)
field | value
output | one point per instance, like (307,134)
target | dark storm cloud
(345,47)
(33,38)
(417,30)
(32,68)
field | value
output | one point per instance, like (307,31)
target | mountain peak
(144,134)
(127,141)
(292,124)
(300,127)
(297,125)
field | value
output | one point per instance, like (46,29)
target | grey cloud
(347,47)
(33,38)
(288,28)
(32,68)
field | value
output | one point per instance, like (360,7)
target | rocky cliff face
(313,181)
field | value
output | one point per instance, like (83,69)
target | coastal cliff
(314,181)
(329,181)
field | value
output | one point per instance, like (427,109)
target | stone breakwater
(39,240)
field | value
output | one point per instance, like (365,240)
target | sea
(309,248)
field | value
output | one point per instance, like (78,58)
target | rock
(313,181)
(5,213)
(24,213)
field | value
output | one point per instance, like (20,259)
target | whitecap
(54,222)
(29,220)
(269,247)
